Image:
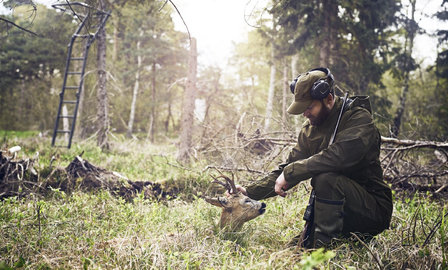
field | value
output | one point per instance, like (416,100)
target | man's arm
(264,188)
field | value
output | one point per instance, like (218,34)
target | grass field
(100,231)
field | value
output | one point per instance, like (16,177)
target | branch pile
(416,165)
(19,178)
(408,165)
(16,176)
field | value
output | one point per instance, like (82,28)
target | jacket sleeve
(353,140)
(264,188)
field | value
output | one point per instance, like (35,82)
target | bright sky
(426,47)
(216,25)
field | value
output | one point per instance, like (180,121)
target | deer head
(237,208)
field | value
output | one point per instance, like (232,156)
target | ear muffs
(321,88)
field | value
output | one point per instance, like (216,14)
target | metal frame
(90,39)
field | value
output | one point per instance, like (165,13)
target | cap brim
(299,106)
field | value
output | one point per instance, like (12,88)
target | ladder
(91,21)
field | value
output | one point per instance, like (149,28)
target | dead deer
(237,208)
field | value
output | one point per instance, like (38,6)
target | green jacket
(354,152)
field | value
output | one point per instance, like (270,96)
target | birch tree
(187,117)
(136,87)
(270,101)
(285,93)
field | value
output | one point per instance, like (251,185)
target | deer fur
(237,208)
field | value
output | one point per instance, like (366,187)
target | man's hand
(281,185)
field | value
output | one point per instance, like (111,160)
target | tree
(148,48)
(441,92)
(136,87)
(187,120)
(407,64)
(343,35)
(29,68)
(251,59)
(103,103)
(271,91)
(9,22)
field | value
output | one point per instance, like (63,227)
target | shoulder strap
(339,119)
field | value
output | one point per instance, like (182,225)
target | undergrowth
(101,231)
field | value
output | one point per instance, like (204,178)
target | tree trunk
(116,25)
(136,88)
(65,124)
(168,118)
(152,118)
(285,94)
(294,61)
(208,103)
(186,125)
(102,109)
(395,129)
(269,105)
(328,40)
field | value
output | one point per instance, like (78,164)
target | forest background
(368,45)
(238,123)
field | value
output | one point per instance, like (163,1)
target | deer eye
(222,201)
(247,200)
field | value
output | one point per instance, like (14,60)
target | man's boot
(328,221)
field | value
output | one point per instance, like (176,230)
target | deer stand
(91,21)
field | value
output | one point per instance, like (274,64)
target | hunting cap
(302,94)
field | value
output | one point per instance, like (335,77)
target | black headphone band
(321,88)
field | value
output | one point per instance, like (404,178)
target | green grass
(100,231)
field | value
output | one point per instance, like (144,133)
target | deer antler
(229,185)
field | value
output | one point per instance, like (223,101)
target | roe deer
(237,207)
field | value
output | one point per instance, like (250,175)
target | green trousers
(342,206)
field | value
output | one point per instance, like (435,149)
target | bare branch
(409,144)
(18,26)
(180,15)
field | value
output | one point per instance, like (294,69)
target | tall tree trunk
(152,118)
(285,94)
(116,25)
(395,129)
(168,118)
(208,103)
(22,114)
(328,39)
(294,74)
(270,102)
(186,125)
(102,109)
(136,88)
(65,123)
(294,61)
(80,129)
(79,132)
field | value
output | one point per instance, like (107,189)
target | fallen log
(410,144)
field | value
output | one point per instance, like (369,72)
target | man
(346,176)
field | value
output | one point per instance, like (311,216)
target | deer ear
(220,202)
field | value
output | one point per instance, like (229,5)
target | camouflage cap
(302,95)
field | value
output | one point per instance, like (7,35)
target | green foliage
(163,53)
(354,37)
(252,59)
(316,258)
(27,66)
